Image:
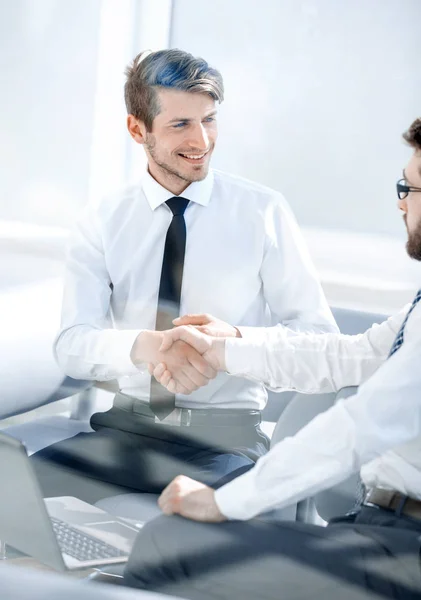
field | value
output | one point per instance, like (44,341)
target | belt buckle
(179,416)
(186,417)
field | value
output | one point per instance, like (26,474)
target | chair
(302,409)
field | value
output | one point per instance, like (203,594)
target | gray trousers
(376,556)
(124,456)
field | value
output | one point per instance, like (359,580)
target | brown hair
(413,135)
(174,69)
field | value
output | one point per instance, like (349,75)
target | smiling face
(182,139)
(411,206)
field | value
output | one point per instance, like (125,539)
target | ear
(136,129)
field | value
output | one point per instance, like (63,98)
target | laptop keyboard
(80,545)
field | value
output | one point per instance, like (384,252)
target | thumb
(192,320)
(200,342)
(169,337)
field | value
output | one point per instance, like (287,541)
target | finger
(185,385)
(195,376)
(172,387)
(165,378)
(167,491)
(176,388)
(190,336)
(200,364)
(169,338)
(167,508)
(202,319)
(170,496)
(164,502)
(203,329)
(159,371)
(151,368)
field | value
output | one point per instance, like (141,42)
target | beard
(171,170)
(413,245)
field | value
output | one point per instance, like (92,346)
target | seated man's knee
(168,550)
(155,556)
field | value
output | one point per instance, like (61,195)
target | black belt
(191,417)
(394,501)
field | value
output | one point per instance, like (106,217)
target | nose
(402,205)
(199,138)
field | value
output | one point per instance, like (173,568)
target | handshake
(187,357)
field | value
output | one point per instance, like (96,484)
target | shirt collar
(198,191)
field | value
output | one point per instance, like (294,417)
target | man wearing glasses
(373,552)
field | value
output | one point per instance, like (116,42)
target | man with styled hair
(374,551)
(186,239)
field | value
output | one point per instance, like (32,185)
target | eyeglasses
(403,189)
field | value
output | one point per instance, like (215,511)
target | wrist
(218,516)
(146,347)
(218,352)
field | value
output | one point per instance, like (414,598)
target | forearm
(294,469)
(385,413)
(85,352)
(309,363)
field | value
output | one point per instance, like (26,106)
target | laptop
(64,533)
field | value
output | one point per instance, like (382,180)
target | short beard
(413,245)
(150,144)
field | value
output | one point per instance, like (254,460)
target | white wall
(318,93)
(48,64)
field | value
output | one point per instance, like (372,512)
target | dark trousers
(128,454)
(376,556)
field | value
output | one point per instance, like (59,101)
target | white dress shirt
(358,431)
(245,258)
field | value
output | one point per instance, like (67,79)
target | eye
(209,119)
(179,125)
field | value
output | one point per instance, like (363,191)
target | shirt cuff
(120,343)
(237,499)
(244,357)
(252,334)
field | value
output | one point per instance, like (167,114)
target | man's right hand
(188,368)
(212,350)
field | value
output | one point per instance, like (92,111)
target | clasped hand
(187,357)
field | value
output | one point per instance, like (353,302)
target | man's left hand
(190,499)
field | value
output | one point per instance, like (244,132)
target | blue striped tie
(399,338)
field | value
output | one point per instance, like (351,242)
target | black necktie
(162,402)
